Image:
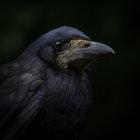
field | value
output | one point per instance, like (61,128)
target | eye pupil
(58,44)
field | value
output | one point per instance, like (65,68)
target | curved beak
(93,51)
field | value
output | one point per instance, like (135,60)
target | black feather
(41,102)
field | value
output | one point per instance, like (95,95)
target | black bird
(45,92)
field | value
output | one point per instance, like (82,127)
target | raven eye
(58,44)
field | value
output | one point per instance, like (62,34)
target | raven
(45,93)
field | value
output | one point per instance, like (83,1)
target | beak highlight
(93,51)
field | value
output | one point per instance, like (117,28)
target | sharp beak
(93,51)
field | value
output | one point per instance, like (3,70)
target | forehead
(64,33)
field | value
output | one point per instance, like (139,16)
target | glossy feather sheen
(39,100)
(62,106)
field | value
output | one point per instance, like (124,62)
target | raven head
(68,48)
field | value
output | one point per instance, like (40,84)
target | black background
(115,79)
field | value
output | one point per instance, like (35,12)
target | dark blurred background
(115,79)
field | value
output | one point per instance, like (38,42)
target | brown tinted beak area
(92,50)
(79,52)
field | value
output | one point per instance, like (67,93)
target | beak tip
(103,48)
(112,51)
